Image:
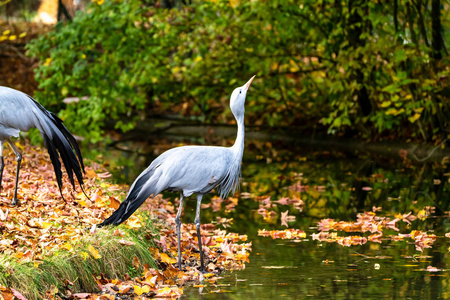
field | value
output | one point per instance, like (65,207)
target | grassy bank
(106,252)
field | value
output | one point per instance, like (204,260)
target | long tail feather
(60,144)
(141,189)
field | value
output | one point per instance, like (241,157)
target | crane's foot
(179,267)
(14,202)
(202,269)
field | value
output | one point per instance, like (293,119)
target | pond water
(332,184)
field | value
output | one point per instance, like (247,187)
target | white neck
(238,146)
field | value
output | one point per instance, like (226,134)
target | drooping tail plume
(60,143)
(142,188)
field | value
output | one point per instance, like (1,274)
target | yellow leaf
(233,200)
(84,255)
(6,32)
(414,118)
(67,246)
(176,69)
(47,62)
(385,103)
(46,225)
(165,258)
(94,252)
(141,290)
(422,215)
(12,37)
(133,223)
(394,111)
(23,34)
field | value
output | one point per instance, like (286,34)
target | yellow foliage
(94,252)
(141,290)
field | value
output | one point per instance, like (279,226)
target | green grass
(79,268)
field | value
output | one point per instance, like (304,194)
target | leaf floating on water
(283,234)
(279,267)
(221,291)
(433,269)
(285,218)
(379,226)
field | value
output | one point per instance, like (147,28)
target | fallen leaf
(94,252)
(141,290)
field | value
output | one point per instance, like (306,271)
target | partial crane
(20,112)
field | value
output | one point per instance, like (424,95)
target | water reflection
(332,184)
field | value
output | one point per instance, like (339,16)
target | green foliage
(357,65)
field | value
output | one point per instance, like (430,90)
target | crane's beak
(247,85)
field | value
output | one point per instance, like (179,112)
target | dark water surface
(332,184)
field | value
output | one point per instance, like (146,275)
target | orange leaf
(114,203)
(135,263)
(165,258)
(90,173)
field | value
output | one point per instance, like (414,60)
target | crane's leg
(2,164)
(19,161)
(178,223)
(197,225)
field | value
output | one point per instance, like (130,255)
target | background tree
(357,67)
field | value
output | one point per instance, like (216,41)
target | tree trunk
(355,30)
(62,11)
(436,28)
(423,31)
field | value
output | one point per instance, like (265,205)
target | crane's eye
(240,91)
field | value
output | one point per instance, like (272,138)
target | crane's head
(237,99)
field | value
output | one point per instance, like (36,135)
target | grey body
(17,113)
(193,169)
(190,170)
(20,112)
